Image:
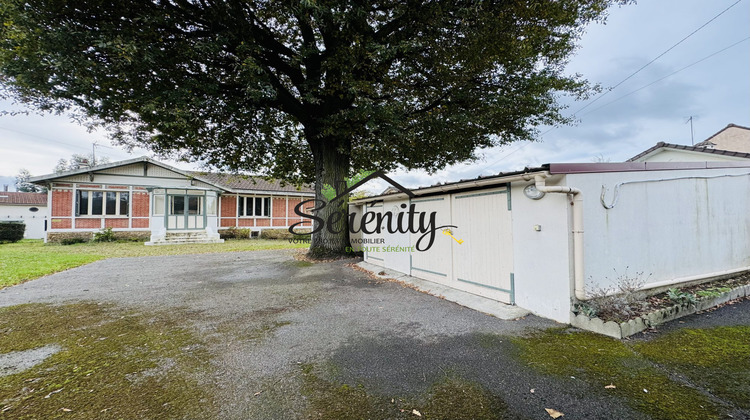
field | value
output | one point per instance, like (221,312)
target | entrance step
(177,238)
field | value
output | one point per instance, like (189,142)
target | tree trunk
(331,226)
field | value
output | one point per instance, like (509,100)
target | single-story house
(147,199)
(544,237)
(30,208)
(731,143)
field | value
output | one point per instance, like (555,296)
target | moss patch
(717,358)
(112,364)
(451,398)
(602,361)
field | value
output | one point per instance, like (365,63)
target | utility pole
(692,137)
(93,154)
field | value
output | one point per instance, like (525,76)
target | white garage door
(483,263)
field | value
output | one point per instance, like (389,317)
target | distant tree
(302,90)
(23,184)
(600,158)
(78,161)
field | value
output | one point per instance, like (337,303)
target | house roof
(21,198)
(696,148)
(227,182)
(708,141)
(239,182)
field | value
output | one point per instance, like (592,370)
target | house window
(102,203)
(254,206)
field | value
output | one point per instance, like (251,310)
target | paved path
(267,314)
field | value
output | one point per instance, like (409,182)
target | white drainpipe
(578,276)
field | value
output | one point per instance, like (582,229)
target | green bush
(284,234)
(11,231)
(72,241)
(105,235)
(234,233)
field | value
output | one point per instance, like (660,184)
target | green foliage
(681,298)
(105,235)
(11,231)
(301,91)
(386,84)
(234,232)
(713,292)
(330,193)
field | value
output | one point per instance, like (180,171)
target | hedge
(11,231)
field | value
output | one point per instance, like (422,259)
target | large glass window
(254,206)
(101,203)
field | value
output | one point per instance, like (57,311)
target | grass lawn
(30,259)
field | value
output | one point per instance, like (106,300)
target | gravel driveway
(269,318)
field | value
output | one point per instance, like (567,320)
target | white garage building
(542,237)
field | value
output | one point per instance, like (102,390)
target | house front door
(186,212)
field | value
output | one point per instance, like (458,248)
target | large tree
(23,184)
(300,90)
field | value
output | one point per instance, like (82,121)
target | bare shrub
(618,302)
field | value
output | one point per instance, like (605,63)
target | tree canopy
(23,184)
(307,90)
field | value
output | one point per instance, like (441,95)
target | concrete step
(187,242)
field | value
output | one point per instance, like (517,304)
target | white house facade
(29,208)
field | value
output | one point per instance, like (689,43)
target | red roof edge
(580,168)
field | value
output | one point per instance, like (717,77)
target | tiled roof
(247,182)
(661,144)
(38,199)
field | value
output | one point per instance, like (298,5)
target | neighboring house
(146,199)
(663,223)
(30,208)
(733,138)
(732,143)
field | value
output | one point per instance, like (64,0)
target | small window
(34,209)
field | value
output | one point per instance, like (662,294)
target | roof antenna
(692,137)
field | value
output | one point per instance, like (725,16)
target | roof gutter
(528,176)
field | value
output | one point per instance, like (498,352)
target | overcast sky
(715,92)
